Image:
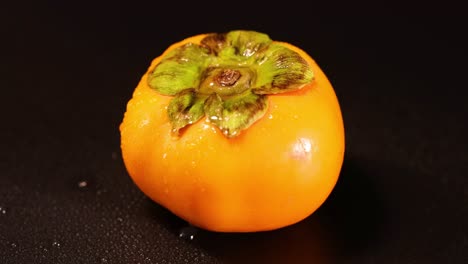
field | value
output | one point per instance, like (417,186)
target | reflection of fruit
(234,132)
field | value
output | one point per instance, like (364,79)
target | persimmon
(234,132)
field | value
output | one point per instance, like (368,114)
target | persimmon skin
(274,174)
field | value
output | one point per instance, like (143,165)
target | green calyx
(227,78)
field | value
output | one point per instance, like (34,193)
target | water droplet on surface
(82,184)
(119,219)
(188,232)
(3,210)
(103,260)
(270,116)
(13,245)
(56,244)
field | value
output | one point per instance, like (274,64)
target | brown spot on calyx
(227,77)
(289,79)
(285,81)
(214,42)
(249,107)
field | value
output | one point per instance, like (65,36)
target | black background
(68,69)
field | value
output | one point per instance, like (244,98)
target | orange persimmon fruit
(234,132)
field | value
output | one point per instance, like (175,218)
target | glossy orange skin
(274,174)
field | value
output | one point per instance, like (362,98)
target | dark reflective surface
(65,197)
(351,222)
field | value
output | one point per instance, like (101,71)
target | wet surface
(65,196)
